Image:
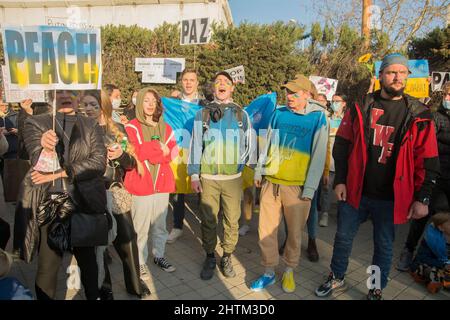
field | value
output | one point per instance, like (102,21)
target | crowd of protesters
(99,174)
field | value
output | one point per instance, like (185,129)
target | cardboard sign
(418,68)
(50,57)
(196,31)
(438,80)
(416,87)
(325,86)
(237,73)
(19,95)
(159,70)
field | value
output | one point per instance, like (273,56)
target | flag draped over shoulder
(180,116)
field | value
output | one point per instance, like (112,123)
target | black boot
(313,255)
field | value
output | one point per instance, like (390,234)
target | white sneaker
(145,272)
(174,235)
(244,230)
(324,220)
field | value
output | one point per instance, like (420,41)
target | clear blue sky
(268,11)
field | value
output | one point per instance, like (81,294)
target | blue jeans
(348,221)
(313,218)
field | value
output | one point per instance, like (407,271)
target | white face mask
(134,100)
(116,103)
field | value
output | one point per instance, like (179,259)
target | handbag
(118,199)
(13,174)
(89,230)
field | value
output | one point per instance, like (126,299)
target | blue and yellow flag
(180,116)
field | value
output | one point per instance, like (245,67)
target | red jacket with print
(150,152)
(417,163)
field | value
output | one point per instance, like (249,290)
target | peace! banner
(52,57)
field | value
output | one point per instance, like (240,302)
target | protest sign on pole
(52,58)
(195,31)
(237,73)
(325,86)
(159,70)
(438,80)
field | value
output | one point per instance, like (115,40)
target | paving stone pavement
(187,256)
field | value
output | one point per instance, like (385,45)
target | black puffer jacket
(85,170)
(442,122)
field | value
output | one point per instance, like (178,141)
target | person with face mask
(338,104)
(440,199)
(116,101)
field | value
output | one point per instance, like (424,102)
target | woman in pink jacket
(155,146)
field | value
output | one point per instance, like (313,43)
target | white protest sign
(52,58)
(237,73)
(438,80)
(19,95)
(325,86)
(195,31)
(159,70)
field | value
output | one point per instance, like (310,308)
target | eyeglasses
(395,73)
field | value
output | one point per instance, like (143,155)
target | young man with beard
(386,162)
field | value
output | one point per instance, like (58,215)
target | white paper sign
(237,73)
(19,95)
(325,86)
(196,31)
(159,70)
(438,80)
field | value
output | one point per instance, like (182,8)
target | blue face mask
(336,106)
(446,104)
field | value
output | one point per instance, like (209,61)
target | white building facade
(144,13)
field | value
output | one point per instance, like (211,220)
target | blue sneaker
(262,282)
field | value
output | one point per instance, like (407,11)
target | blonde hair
(111,127)
(446,88)
(5,263)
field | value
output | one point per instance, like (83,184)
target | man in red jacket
(386,162)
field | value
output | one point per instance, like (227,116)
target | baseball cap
(223,73)
(300,82)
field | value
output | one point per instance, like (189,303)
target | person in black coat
(119,161)
(440,199)
(78,143)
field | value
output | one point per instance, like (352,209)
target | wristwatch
(425,201)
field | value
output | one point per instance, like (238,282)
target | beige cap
(300,82)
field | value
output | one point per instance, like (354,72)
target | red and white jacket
(150,152)
(417,164)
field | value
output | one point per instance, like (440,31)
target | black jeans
(49,263)
(178,210)
(440,201)
(5,233)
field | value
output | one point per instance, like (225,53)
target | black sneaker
(164,264)
(331,285)
(106,293)
(227,267)
(374,294)
(208,268)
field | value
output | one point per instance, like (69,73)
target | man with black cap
(386,162)
(222,143)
